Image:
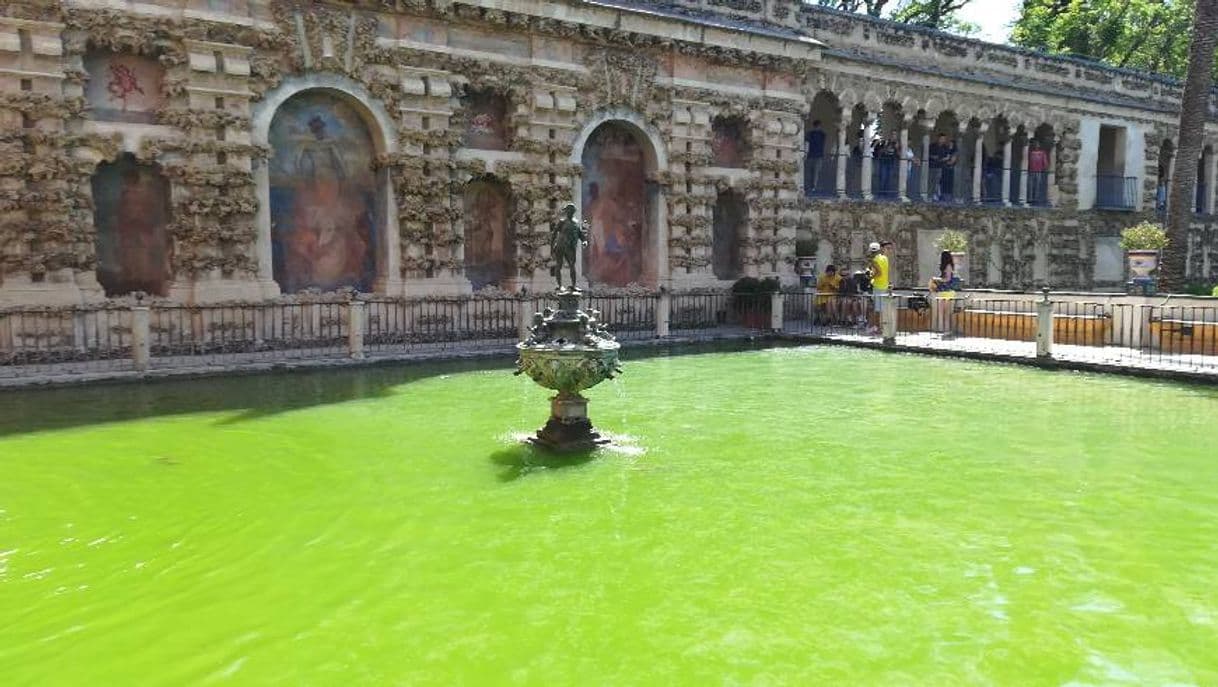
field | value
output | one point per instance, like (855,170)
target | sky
(993,16)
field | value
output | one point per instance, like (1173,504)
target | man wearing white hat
(878,266)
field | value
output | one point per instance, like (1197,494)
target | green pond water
(786,516)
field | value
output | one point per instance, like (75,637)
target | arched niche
(370,123)
(327,205)
(728,226)
(621,202)
(488,235)
(131,213)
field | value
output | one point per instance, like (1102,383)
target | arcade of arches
(273,149)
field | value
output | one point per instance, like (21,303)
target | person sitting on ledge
(826,295)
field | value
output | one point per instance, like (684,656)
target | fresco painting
(727,143)
(487,128)
(123,88)
(615,203)
(324,196)
(488,254)
(131,215)
(728,223)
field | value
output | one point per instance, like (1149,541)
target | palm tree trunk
(1193,113)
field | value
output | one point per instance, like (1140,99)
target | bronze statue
(566,235)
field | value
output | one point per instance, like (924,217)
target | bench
(1076,330)
(1185,336)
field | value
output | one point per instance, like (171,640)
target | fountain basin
(569,368)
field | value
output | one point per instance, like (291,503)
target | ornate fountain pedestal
(568,350)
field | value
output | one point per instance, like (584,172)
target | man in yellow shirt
(1215,291)
(880,268)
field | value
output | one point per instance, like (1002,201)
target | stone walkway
(1100,358)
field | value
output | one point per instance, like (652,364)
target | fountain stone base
(568,429)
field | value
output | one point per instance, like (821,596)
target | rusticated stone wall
(419,73)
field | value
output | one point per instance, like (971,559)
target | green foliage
(1150,35)
(953,241)
(933,14)
(1144,236)
(752,286)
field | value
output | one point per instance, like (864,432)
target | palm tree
(1193,114)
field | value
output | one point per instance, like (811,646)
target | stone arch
(131,212)
(620,155)
(820,166)
(381,132)
(488,233)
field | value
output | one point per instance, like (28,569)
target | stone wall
(560,69)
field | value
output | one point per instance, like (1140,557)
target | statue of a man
(566,235)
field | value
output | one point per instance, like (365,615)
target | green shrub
(1144,236)
(953,241)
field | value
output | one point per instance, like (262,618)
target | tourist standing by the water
(879,267)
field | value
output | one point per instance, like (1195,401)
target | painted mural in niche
(487,127)
(616,204)
(123,88)
(131,214)
(728,222)
(728,147)
(488,255)
(324,195)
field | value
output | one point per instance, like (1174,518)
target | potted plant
(1142,243)
(956,243)
(751,299)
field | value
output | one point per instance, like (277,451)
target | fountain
(568,350)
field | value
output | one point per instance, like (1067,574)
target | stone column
(842,156)
(924,177)
(1211,177)
(1006,173)
(865,174)
(1023,174)
(978,161)
(1051,177)
(903,164)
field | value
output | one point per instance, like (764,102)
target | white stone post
(663,313)
(842,156)
(1023,174)
(355,329)
(978,160)
(865,174)
(776,300)
(524,316)
(888,319)
(903,164)
(1006,173)
(1044,326)
(141,336)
